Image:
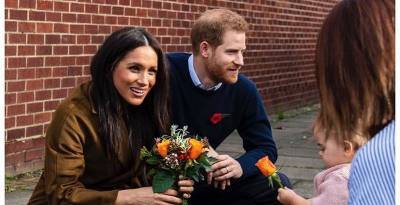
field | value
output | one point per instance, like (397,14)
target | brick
(53,16)
(97,39)
(10,50)
(91,8)
(51,105)
(69,17)
(16,38)
(52,83)
(67,61)
(42,117)
(10,98)
(89,49)
(16,62)
(11,74)
(35,39)
(13,110)
(26,50)
(60,94)
(92,29)
(45,5)
(84,18)
(60,72)
(61,28)
(74,71)
(83,60)
(44,27)
(11,4)
(124,2)
(52,61)
(77,7)
(61,6)
(35,131)
(123,20)
(37,16)
(34,107)
(43,72)
(9,122)
(42,95)
(105,10)
(97,19)
(68,82)
(26,27)
(60,50)
(34,84)
(10,26)
(28,4)
(18,14)
(52,39)
(75,50)
(68,39)
(23,97)
(44,50)
(116,10)
(35,62)
(78,29)
(23,74)
(24,120)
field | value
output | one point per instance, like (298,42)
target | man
(213,99)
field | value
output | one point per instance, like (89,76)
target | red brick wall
(49,45)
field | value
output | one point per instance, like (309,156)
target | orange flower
(266,166)
(162,147)
(196,148)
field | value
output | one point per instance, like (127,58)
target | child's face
(331,152)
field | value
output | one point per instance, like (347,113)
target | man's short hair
(212,25)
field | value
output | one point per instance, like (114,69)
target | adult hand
(185,187)
(224,170)
(146,196)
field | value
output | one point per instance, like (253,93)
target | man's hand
(223,170)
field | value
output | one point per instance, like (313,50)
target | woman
(93,141)
(355,71)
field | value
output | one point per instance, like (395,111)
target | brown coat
(77,170)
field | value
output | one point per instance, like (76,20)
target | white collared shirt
(195,79)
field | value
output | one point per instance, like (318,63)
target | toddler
(330,185)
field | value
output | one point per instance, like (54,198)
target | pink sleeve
(333,191)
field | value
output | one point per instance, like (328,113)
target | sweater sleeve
(255,130)
(65,164)
(332,191)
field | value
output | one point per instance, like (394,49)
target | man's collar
(195,79)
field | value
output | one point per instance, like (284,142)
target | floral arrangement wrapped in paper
(177,155)
(269,170)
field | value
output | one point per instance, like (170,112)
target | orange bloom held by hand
(196,148)
(269,170)
(266,166)
(162,147)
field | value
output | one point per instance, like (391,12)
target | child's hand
(288,197)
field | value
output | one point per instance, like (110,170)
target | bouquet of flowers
(174,155)
(269,170)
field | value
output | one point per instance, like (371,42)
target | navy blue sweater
(240,105)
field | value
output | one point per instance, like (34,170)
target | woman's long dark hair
(143,122)
(355,60)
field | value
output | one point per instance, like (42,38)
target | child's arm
(288,197)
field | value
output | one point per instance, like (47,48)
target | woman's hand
(185,187)
(146,196)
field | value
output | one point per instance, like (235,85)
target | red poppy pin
(217,117)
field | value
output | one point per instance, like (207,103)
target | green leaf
(162,181)
(152,160)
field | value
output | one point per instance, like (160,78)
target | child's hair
(356,140)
